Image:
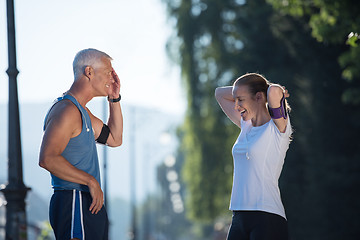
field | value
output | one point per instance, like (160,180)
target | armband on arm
(279,112)
(104,135)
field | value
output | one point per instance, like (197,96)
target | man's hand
(115,87)
(97,196)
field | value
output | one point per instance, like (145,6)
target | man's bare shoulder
(64,112)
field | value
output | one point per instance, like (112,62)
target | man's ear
(89,72)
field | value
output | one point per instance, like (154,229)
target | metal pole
(133,230)
(15,190)
(105,158)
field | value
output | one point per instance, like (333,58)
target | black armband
(279,112)
(104,135)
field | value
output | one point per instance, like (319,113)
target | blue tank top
(80,151)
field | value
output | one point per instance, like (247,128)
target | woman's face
(245,102)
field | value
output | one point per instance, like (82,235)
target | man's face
(103,79)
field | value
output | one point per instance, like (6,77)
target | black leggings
(257,225)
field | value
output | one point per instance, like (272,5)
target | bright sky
(133,33)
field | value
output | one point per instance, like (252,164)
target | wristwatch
(114,99)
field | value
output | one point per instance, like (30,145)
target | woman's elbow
(275,91)
(216,93)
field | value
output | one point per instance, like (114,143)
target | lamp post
(105,168)
(105,163)
(133,227)
(15,190)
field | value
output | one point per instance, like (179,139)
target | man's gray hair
(87,57)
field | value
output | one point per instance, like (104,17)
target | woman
(259,109)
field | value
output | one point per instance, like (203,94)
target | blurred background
(171,179)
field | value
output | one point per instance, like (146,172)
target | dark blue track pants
(70,217)
(257,225)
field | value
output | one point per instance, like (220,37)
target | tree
(333,22)
(217,41)
(207,167)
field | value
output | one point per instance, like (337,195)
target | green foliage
(46,231)
(332,22)
(352,39)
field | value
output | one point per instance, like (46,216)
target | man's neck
(80,92)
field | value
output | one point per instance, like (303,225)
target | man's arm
(115,121)
(64,122)
(115,124)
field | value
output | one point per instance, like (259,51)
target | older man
(68,148)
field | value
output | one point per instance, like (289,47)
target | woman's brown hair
(256,83)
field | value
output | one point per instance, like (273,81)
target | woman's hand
(286,92)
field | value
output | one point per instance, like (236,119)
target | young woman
(259,109)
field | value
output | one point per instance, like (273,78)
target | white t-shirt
(259,154)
